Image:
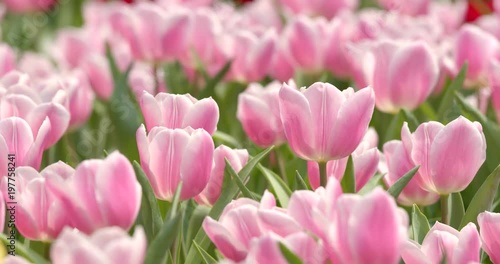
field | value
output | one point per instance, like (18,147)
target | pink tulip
(489,225)
(100,193)
(39,213)
(107,245)
(143,78)
(8,59)
(179,111)
(37,66)
(322,123)
(22,6)
(376,214)
(443,241)
(281,65)
(413,8)
(99,75)
(16,137)
(399,163)
(365,160)
(319,7)
(19,99)
(258,112)
(445,166)
(250,56)
(236,157)
(304,43)
(169,156)
(494,80)
(3,210)
(402,74)
(477,48)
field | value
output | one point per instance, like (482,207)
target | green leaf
(419,224)
(149,214)
(457,210)
(204,255)
(371,184)
(226,139)
(411,119)
(282,191)
(24,251)
(159,247)
(175,78)
(244,190)
(302,185)
(230,191)
(447,100)
(348,182)
(209,89)
(290,257)
(195,222)
(399,185)
(175,202)
(393,131)
(483,199)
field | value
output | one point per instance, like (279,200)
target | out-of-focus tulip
(412,8)
(322,123)
(250,56)
(100,193)
(36,66)
(449,156)
(179,111)
(23,6)
(7,59)
(494,80)
(399,162)
(376,214)
(97,69)
(304,43)
(281,66)
(107,245)
(16,137)
(2,213)
(17,98)
(444,242)
(402,74)
(489,225)
(169,156)
(319,7)
(236,157)
(40,214)
(365,160)
(144,78)
(477,48)
(259,113)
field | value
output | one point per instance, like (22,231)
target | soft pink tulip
(489,225)
(413,8)
(281,65)
(236,157)
(23,6)
(143,77)
(3,212)
(110,245)
(325,8)
(322,123)
(402,74)
(365,160)
(16,137)
(376,214)
(39,212)
(494,80)
(18,98)
(36,65)
(445,165)
(99,75)
(7,59)
(444,241)
(398,162)
(100,193)
(169,156)
(179,111)
(258,112)
(477,48)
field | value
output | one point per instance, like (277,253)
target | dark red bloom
(477,8)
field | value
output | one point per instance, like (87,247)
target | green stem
(444,208)
(322,173)
(281,165)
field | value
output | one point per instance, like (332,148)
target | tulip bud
(489,224)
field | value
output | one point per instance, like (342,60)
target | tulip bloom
(100,193)
(107,245)
(258,112)
(412,8)
(179,111)
(324,8)
(40,214)
(23,6)
(7,59)
(322,123)
(236,157)
(365,160)
(489,224)
(449,156)
(442,242)
(402,75)
(169,156)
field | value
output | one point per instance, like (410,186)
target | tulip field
(249,131)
